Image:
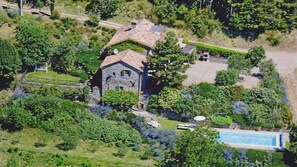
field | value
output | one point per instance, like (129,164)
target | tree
(240,63)
(256,55)
(122,100)
(167,98)
(256,114)
(64,57)
(34,42)
(197,148)
(103,8)
(227,77)
(10,61)
(166,63)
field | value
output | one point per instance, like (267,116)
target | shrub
(256,55)
(4,19)
(102,111)
(121,100)
(55,15)
(81,74)
(93,21)
(239,107)
(180,24)
(136,147)
(13,13)
(122,151)
(69,23)
(273,38)
(238,119)
(219,120)
(214,50)
(70,142)
(227,77)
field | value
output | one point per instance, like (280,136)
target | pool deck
(250,146)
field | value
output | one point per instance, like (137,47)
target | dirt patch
(250,81)
(290,82)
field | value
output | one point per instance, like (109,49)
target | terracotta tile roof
(129,57)
(144,32)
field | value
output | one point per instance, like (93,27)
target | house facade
(125,71)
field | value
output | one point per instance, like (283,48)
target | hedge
(214,50)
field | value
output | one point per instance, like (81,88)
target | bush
(239,107)
(221,121)
(69,23)
(180,24)
(102,111)
(13,13)
(4,19)
(214,50)
(55,15)
(273,38)
(227,77)
(122,151)
(70,142)
(81,74)
(93,21)
(238,119)
(121,100)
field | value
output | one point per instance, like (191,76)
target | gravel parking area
(203,72)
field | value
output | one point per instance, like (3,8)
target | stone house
(127,69)
(124,71)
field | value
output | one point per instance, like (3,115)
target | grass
(136,9)
(51,78)
(71,7)
(127,45)
(167,124)
(98,153)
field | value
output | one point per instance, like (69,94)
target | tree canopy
(166,62)
(33,42)
(256,55)
(104,8)
(10,61)
(197,148)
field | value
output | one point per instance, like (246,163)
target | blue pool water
(248,139)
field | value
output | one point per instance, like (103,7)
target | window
(118,88)
(112,74)
(126,72)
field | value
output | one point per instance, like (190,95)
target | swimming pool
(249,139)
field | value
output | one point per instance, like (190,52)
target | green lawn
(167,124)
(51,78)
(87,151)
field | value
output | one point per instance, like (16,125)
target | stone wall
(111,78)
